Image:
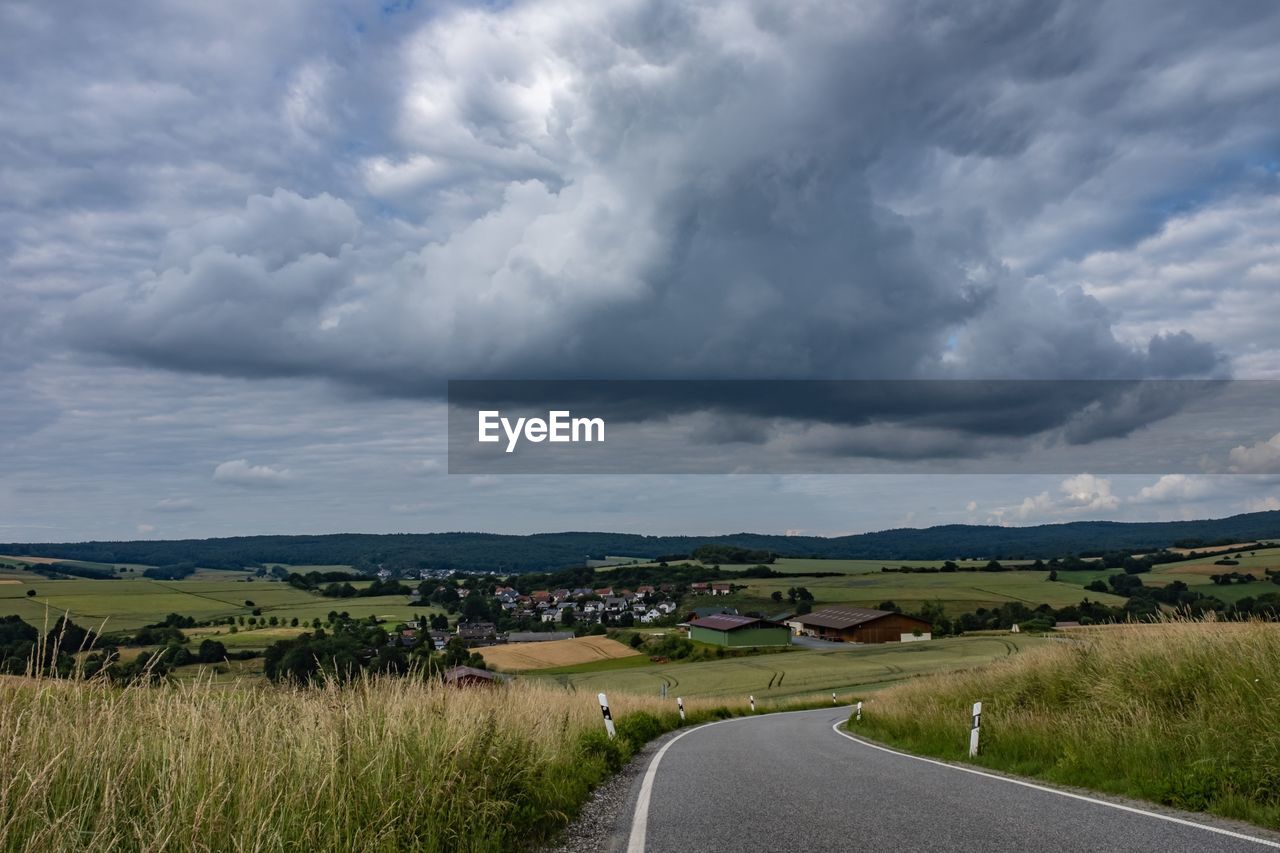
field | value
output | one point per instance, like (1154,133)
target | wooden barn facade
(860,625)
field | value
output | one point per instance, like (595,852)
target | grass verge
(1183,713)
(379,765)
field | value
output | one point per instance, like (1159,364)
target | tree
(31,593)
(211,651)
(776,595)
(1053,574)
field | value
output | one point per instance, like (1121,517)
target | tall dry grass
(384,764)
(1184,713)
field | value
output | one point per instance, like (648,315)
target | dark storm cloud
(647,190)
(790,426)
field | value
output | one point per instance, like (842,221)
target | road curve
(783,782)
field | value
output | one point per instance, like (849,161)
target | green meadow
(844,669)
(958,592)
(800,566)
(131,602)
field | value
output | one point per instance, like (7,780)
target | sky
(244,246)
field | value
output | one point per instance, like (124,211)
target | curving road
(785,782)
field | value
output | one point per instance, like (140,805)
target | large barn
(739,631)
(860,625)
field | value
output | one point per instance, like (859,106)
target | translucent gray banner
(864,426)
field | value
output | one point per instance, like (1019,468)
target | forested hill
(493,552)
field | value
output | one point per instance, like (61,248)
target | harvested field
(515,657)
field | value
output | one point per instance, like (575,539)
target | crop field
(797,673)
(516,657)
(804,566)
(958,591)
(14,562)
(243,638)
(799,566)
(1200,570)
(127,604)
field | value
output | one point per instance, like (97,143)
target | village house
(699,588)
(721,589)
(477,633)
(467,676)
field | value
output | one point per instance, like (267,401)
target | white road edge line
(640,821)
(836,728)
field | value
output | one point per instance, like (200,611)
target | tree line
(503,554)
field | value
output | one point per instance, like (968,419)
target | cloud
(564,184)
(1262,457)
(1216,267)
(1078,495)
(1270,503)
(238,472)
(177,504)
(379,201)
(425,467)
(1173,489)
(146,529)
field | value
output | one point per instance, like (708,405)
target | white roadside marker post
(753,703)
(608,719)
(833,697)
(973,732)
(858,712)
(680,705)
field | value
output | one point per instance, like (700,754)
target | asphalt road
(784,782)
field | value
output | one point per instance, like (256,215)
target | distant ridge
(539,551)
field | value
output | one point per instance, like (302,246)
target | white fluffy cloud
(1217,267)
(1080,495)
(1174,488)
(239,472)
(1262,457)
